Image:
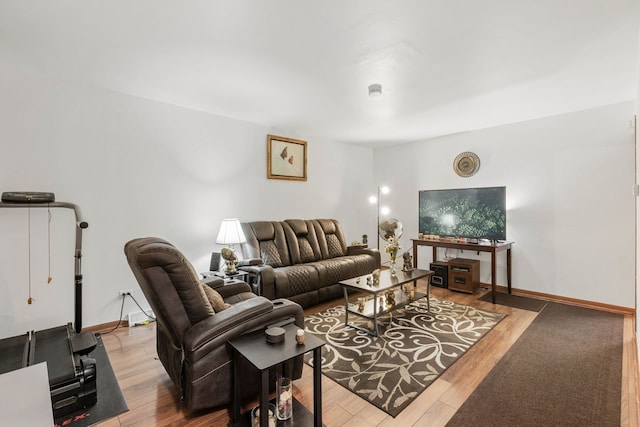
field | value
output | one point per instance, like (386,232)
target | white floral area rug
(415,346)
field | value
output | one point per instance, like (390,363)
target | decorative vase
(284,398)
(392,266)
(255,416)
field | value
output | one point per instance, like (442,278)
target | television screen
(476,213)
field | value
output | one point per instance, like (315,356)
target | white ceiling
(303,67)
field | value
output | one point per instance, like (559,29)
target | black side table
(263,356)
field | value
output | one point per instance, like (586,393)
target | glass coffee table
(386,296)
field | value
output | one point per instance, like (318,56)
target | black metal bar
(264,399)
(80,225)
(317,386)
(235,414)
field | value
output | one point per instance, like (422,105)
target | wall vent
(136,318)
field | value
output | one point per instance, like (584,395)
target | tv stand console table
(491,247)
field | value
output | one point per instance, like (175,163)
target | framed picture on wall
(286,158)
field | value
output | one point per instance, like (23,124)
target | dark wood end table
(263,355)
(492,247)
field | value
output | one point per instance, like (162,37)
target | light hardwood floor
(152,400)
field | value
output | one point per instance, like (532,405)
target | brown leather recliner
(191,336)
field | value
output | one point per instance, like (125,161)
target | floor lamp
(384,210)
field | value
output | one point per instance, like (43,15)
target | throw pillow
(215,299)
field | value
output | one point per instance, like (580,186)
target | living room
(140,159)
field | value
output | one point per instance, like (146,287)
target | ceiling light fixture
(375,89)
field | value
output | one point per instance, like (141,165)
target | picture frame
(286,158)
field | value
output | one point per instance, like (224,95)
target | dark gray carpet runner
(565,370)
(515,301)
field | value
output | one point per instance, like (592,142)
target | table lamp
(230,234)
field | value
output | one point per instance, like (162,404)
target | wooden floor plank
(152,398)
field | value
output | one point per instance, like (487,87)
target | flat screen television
(474,213)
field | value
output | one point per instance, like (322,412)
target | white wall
(141,168)
(138,168)
(637,205)
(570,205)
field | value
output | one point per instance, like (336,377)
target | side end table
(263,355)
(240,275)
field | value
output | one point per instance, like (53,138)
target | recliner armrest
(231,289)
(249,261)
(213,281)
(359,250)
(266,279)
(218,328)
(246,316)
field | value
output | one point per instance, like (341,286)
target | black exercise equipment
(72,373)
(47,200)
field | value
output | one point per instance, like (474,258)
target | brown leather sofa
(194,325)
(302,260)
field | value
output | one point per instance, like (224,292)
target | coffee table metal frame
(372,308)
(263,355)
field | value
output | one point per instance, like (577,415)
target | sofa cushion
(268,240)
(269,253)
(331,239)
(333,270)
(362,264)
(334,246)
(217,303)
(302,241)
(202,305)
(293,281)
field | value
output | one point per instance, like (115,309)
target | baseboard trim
(571,301)
(525,293)
(633,369)
(104,327)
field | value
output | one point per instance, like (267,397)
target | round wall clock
(466,164)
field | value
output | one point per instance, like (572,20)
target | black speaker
(215,261)
(440,276)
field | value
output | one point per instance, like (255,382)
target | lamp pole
(378,220)
(381,190)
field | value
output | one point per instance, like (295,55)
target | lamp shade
(230,232)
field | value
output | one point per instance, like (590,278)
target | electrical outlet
(123,292)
